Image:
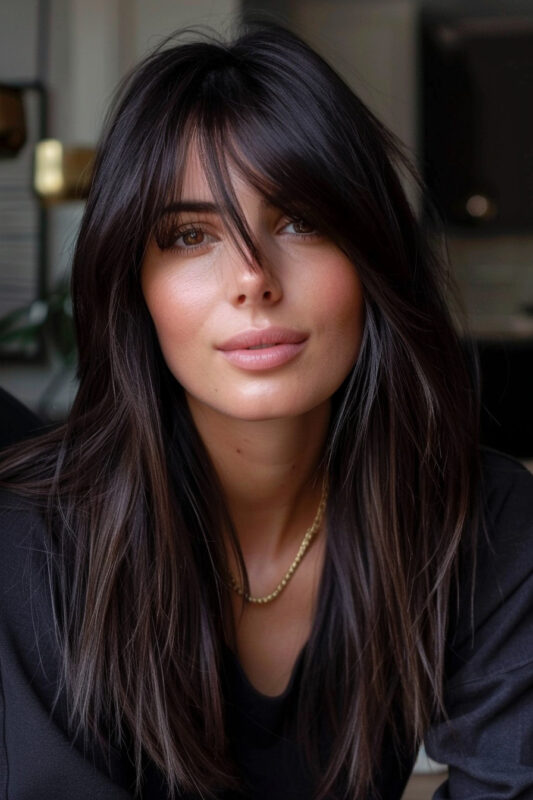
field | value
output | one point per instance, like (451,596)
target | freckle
(238,450)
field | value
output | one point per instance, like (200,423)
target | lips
(265,349)
(266,337)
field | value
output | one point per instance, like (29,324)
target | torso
(270,637)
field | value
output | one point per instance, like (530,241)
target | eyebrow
(195,206)
(201,206)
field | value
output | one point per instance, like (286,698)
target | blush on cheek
(177,317)
(343,286)
(342,303)
(177,327)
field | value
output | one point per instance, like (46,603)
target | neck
(270,474)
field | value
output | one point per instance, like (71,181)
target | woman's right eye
(187,240)
(193,236)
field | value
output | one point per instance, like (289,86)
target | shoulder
(22,532)
(25,608)
(491,627)
(33,703)
(506,489)
(505,539)
(486,735)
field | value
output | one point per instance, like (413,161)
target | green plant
(47,321)
(50,318)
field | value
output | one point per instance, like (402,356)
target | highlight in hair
(134,505)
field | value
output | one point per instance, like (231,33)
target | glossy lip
(285,344)
(255,336)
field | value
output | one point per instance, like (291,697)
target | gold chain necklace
(306,541)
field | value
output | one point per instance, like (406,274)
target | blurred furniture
(23,229)
(477,118)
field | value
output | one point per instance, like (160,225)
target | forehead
(195,182)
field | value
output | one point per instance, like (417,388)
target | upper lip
(255,337)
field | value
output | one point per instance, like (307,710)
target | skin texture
(200,297)
(264,431)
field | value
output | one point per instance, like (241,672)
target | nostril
(267,295)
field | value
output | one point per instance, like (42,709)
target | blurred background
(454,80)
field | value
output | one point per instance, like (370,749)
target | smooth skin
(264,430)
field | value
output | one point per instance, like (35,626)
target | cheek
(342,311)
(178,311)
(172,313)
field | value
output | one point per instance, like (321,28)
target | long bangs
(270,132)
(281,128)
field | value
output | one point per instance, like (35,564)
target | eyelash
(198,228)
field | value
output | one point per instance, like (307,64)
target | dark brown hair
(134,505)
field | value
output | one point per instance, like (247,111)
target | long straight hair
(134,505)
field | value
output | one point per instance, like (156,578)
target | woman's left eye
(301,227)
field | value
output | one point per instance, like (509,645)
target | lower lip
(265,358)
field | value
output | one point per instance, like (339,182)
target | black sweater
(487,739)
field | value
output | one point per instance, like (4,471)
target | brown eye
(301,226)
(192,237)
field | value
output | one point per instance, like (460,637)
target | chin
(263,409)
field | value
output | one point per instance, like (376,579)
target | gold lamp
(62,173)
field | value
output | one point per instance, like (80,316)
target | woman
(245,565)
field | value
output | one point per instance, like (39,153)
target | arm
(487,740)
(37,756)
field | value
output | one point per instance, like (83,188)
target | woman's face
(248,342)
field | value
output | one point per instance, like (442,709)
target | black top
(487,740)
(16,421)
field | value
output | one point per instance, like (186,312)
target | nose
(255,284)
